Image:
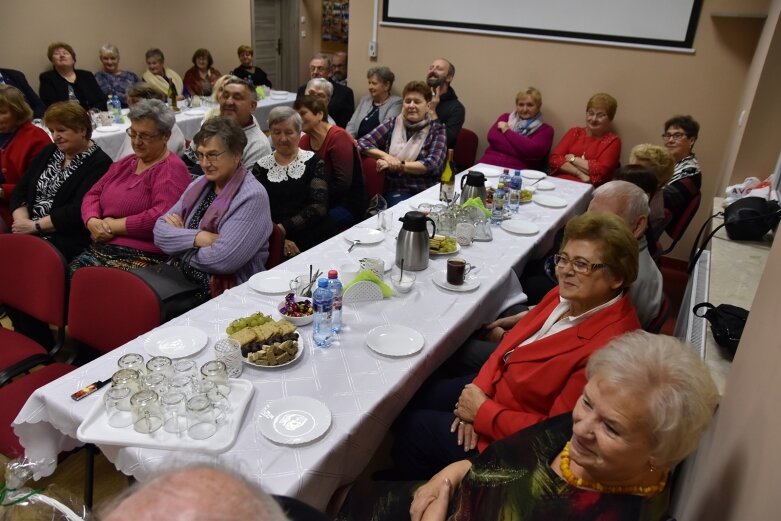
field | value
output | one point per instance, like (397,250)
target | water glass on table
(186,367)
(228,351)
(385,220)
(127,378)
(132,361)
(160,364)
(201,422)
(216,371)
(147,412)
(174,412)
(117,403)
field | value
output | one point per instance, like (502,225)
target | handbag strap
(703,305)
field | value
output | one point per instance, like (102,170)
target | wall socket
(372,49)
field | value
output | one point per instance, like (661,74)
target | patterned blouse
(52,179)
(117,83)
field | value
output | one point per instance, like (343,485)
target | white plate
(551,201)
(110,128)
(394,340)
(95,428)
(294,420)
(196,110)
(175,341)
(299,354)
(458,249)
(533,174)
(273,282)
(520,227)
(544,185)
(470,283)
(365,235)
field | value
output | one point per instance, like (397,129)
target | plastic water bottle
(110,105)
(497,212)
(117,110)
(516,183)
(322,303)
(335,285)
(505,177)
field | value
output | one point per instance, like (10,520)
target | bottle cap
(332,274)
(322,283)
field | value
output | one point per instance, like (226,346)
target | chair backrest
(276,245)
(372,180)
(465,152)
(661,317)
(677,227)
(109,307)
(33,277)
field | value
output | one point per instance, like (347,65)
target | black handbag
(176,292)
(726,323)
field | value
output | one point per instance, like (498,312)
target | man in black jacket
(444,104)
(342,103)
(17,79)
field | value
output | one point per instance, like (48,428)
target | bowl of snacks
(297,310)
(526,195)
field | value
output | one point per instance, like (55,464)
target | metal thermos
(473,185)
(412,244)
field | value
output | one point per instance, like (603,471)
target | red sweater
(546,377)
(27,143)
(603,154)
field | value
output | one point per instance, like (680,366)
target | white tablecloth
(364,391)
(188,120)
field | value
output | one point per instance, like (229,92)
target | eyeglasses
(596,115)
(578,265)
(141,137)
(209,157)
(675,136)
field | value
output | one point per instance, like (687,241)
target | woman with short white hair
(112,80)
(323,89)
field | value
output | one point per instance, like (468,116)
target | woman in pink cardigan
(519,139)
(121,209)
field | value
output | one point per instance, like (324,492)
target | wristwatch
(37,226)
(572,159)
(403,167)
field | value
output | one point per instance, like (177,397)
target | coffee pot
(473,185)
(412,244)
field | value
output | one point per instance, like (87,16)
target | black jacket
(451,113)
(54,87)
(18,80)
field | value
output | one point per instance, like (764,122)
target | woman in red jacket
(538,369)
(20,142)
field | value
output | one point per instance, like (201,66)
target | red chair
(677,227)
(661,317)
(465,153)
(33,280)
(372,180)
(276,246)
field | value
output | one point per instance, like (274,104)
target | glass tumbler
(174,412)
(156,382)
(217,372)
(146,410)
(132,361)
(160,364)
(201,423)
(228,351)
(181,384)
(126,378)
(186,367)
(117,402)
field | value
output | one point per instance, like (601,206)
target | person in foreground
(520,139)
(112,80)
(589,154)
(537,370)
(121,209)
(680,134)
(67,83)
(217,233)
(296,184)
(202,492)
(647,401)
(377,106)
(410,149)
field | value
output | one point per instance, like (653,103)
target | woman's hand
(204,239)
(174,220)
(472,397)
(431,500)
(291,249)
(503,126)
(23,226)
(389,163)
(465,434)
(99,230)
(496,329)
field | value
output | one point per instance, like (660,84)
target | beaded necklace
(570,478)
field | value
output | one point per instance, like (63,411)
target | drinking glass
(132,361)
(126,378)
(117,402)
(514,200)
(186,367)
(217,372)
(385,220)
(181,384)
(160,364)
(156,382)
(201,423)
(228,351)
(174,412)
(146,411)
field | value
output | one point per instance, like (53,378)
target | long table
(364,391)
(188,120)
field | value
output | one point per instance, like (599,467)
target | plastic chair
(276,246)
(33,280)
(372,180)
(677,227)
(465,152)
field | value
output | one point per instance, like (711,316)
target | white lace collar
(294,170)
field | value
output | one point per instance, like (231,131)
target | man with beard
(444,104)
(339,68)
(342,104)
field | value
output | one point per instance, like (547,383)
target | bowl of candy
(297,310)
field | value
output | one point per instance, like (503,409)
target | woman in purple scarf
(218,231)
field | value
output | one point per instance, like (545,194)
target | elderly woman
(121,210)
(647,401)
(377,106)
(112,80)
(410,149)
(537,370)
(520,139)
(218,231)
(661,163)
(20,142)
(66,83)
(346,194)
(323,89)
(680,134)
(141,91)
(200,78)
(163,79)
(296,184)
(47,200)
(589,154)
(247,70)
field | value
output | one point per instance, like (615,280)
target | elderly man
(18,80)
(342,103)
(444,104)
(203,493)
(339,68)
(237,102)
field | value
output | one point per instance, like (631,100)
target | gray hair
(283,113)
(226,130)
(235,80)
(634,199)
(109,48)
(675,383)
(322,84)
(155,53)
(383,73)
(321,56)
(155,110)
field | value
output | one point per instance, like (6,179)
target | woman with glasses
(589,154)
(218,231)
(538,369)
(140,91)
(680,134)
(121,209)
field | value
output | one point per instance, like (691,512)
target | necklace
(570,478)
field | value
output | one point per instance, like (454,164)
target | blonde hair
(13,99)
(605,101)
(532,92)
(657,158)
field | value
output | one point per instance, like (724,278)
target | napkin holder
(363,291)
